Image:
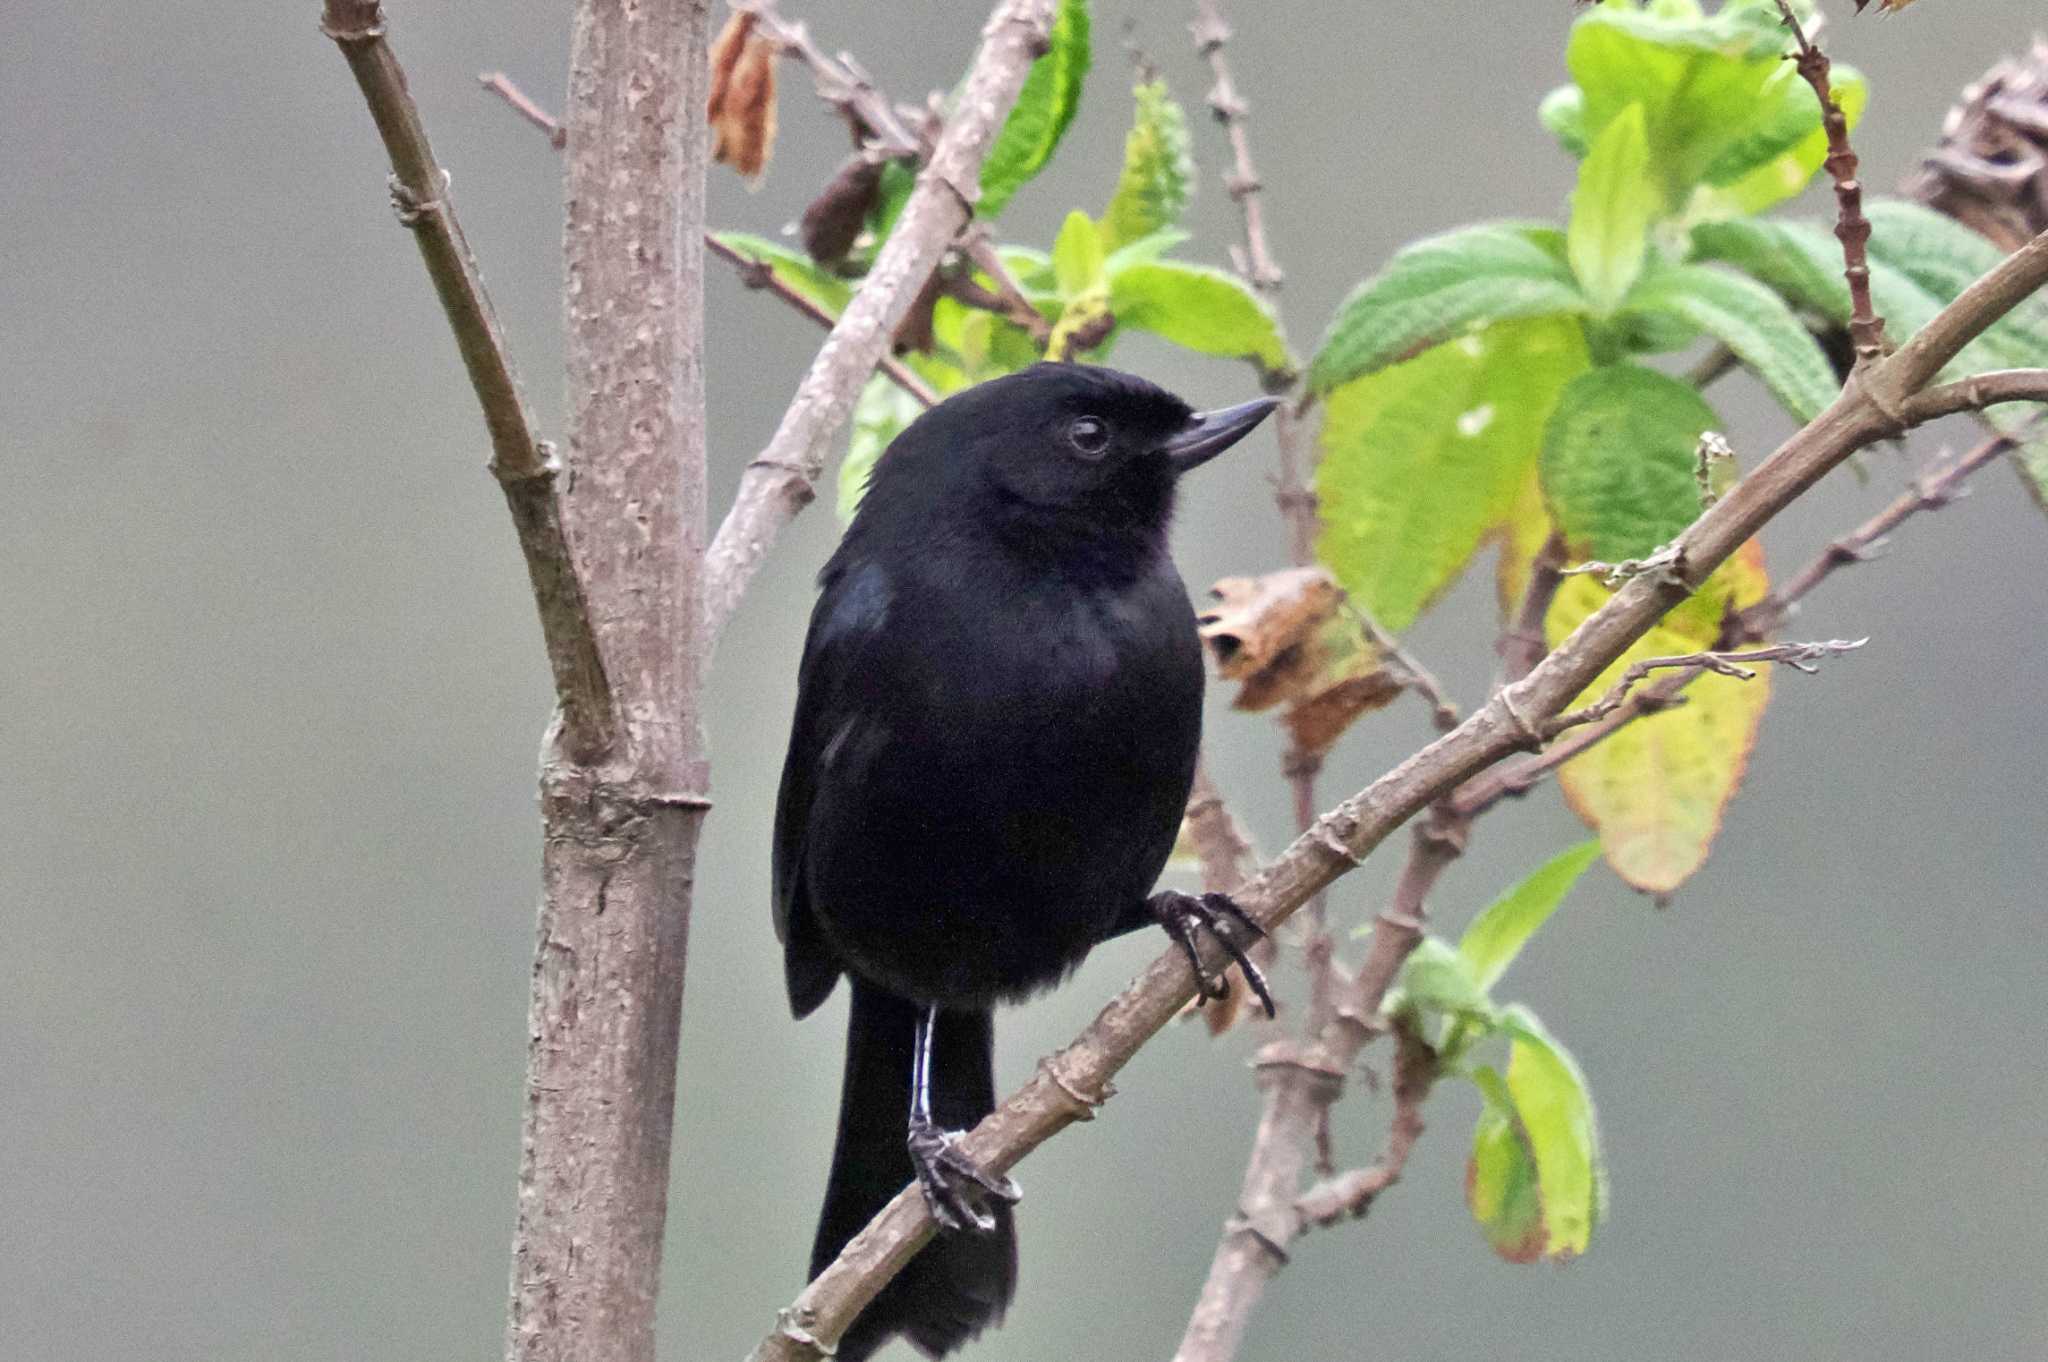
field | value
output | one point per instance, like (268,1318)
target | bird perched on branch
(996,722)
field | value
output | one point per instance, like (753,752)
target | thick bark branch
(523,464)
(782,480)
(1071,1081)
(621,836)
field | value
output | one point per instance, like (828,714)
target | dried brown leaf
(833,221)
(1286,638)
(742,103)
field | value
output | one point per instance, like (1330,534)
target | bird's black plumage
(997,716)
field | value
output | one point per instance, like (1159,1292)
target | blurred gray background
(272,692)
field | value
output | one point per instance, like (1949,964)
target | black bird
(997,714)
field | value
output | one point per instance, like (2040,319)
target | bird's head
(1057,447)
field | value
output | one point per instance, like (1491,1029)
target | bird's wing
(851,612)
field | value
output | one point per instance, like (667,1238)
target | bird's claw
(1217,914)
(956,1188)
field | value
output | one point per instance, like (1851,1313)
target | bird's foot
(1182,914)
(956,1188)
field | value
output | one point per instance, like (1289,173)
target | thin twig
(1521,643)
(1798,656)
(842,84)
(1008,300)
(754,273)
(1937,487)
(1412,674)
(523,464)
(1342,838)
(501,85)
(782,479)
(1852,229)
(1349,1195)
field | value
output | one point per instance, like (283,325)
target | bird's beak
(1209,433)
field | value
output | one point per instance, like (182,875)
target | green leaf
(1944,257)
(1441,287)
(1206,310)
(1778,175)
(1752,321)
(1143,250)
(1500,1178)
(1498,934)
(1716,97)
(1618,458)
(1801,262)
(878,417)
(1563,111)
(1159,169)
(1438,978)
(793,268)
(1421,462)
(1611,211)
(898,180)
(1077,260)
(1555,1110)
(1044,108)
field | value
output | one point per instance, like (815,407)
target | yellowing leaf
(1521,536)
(1655,790)
(1423,460)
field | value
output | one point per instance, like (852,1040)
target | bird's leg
(1217,914)
(955,1187)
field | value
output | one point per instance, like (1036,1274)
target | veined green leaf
(1440,979)
(1752,321)
(793,268)
(1206,310)
(1944,257)
(1802,263)
(1555,1109)
(1618,458)
(1044,108)
(1159,169)
(1498,934)
(1439,288)
(1611,211)
(1422,461)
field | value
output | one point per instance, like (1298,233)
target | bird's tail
(958,1284)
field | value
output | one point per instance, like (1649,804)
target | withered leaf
(833,221)
(742,104)
(1287,638)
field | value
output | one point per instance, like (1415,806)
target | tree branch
(620,841)
(1852,229)
(781,481)
(754,273)
(523,464)
(1071,1080)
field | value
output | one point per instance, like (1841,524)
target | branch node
(410,207)
(1082,1104)
(1324,830)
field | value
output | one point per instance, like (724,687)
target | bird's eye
(1089,435)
